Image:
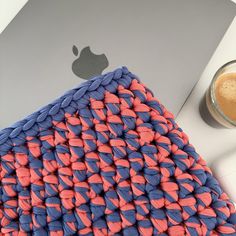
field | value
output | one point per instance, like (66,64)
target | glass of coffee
(220,98)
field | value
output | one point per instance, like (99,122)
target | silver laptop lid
(52,46)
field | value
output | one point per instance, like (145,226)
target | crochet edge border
(64,101)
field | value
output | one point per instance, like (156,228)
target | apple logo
(88,64)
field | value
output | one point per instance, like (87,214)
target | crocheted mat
(107,158)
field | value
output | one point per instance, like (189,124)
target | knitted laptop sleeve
(107,158)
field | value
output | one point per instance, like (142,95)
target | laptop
(53,46)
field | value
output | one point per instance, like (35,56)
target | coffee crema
(225,94)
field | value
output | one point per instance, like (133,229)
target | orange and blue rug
(107,158)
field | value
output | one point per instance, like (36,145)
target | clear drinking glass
(219,104)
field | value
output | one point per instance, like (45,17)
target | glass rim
(212,93)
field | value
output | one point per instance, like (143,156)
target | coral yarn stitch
(107,158)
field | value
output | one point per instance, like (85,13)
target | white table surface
(8,10)
(210,143)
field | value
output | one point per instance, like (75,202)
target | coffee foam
(227,89)
(225,93)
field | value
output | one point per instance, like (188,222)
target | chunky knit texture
(107,158)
